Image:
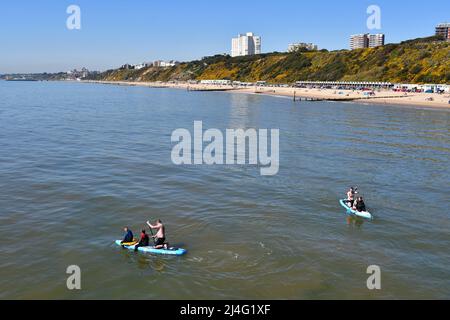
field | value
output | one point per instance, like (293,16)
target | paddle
(151,231)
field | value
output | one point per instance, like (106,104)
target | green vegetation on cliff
(425,60)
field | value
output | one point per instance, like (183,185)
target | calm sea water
(80,161)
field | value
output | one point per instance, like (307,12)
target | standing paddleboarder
(351,197)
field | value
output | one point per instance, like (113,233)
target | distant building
(298,46)
(361,41)
(216,82)
(84,73)
(443,30)
(165,64)
(127,67)
(376,40)
(78,74)
(343,84)
(171,63)
(141,66)
(245,45)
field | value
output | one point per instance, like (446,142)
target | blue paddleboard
(350,211)
(168,251)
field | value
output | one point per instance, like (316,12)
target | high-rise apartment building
(361,41)
(443,30)
(245,45)
(376,40)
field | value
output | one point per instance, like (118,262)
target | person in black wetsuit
(360,206)
(143,242)
(128,236)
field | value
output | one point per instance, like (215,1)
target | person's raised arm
(151,226)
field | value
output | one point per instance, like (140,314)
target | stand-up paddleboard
(168,251)
(350,211)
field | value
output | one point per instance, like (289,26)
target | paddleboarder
(144,241)
(351,197)
(128,235)
(360,206)
(160,236)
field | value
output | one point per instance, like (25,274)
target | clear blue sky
(34,37)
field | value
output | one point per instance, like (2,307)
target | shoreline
(429,100)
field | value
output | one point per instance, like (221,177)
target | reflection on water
(355,221)
(241,114)
(91,159)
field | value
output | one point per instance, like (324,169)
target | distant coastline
(20,79)
(419,69)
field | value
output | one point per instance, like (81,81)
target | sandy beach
(385,97)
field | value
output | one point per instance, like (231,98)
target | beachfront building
(245,45)
(443,30)
(427,88)
(293,47)
(217,82)
(362,41)
(344,84)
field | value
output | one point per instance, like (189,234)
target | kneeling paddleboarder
(160,236)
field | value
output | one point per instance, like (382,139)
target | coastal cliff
(424,60)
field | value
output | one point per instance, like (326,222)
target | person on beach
(360,206)
(160,236)
(128,236)
(143,241)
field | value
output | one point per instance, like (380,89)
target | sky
(34,36)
